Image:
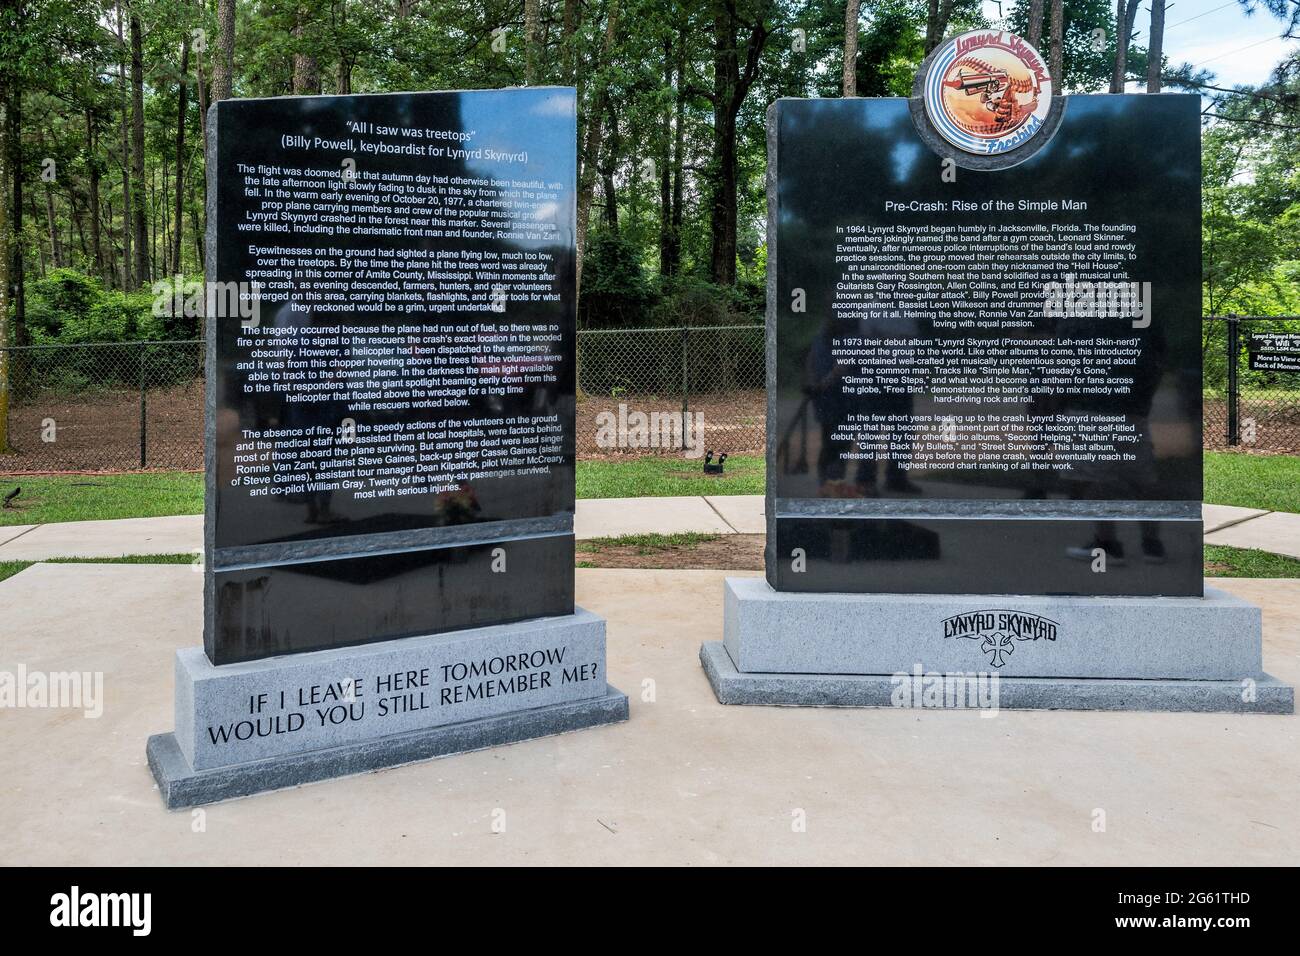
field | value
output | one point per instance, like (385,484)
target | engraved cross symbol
(997,646)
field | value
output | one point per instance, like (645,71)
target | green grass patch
(1271,482)
(9,568)
(646,543)
(658,477)
(1224,562)
(49,498)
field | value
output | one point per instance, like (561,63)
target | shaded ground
(729,552)
(101,431)
(744,552)
(734,422)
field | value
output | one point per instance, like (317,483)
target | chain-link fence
(105,407)
(132,405)
(1252,383)
(635,384)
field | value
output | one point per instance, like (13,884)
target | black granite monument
(984,401)
(391,321)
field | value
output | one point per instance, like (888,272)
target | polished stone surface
(402,404)
(1128,161)
(295,703)
(998,555)
(248,132)
(1216,637)
(289,608)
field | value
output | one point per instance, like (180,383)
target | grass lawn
(47,498)
(653,477)
(9,568)
(1271,482)
(1224,562)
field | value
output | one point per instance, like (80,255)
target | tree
(1155,44)
(1058,39)
(223,67)
(736,65)
(851,48)
(138,219)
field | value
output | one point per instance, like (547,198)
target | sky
(1217,35)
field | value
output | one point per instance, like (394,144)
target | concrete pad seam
(1233,524)
(721,517)
(19,535)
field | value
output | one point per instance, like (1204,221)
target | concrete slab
(10,532)
(743,512)
(687,781)
(176,534)
(612,517)
(1277,531)
(1215,517)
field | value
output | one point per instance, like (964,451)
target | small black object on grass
(9,498)
(710,468)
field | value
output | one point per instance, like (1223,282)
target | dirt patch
(100,431)
(734,422)
(728,552)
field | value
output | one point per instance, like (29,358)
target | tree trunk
(938,16)
(1035,36)
(17,271)
(1058,35)
(730,85)
(92,189)
(666,266)
(128,280)
(569,31)
(532,41)
(142,271)
(306,69)
(591,149)
(56,250)
(6,248)
(1155,46)
(223,65)
(607,174)
(1121,47)
(851,9)
(181,110)
(1120,77)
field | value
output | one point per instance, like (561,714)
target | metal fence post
(686,377)
(1234,391)
(144,406)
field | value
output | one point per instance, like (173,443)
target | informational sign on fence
(1274,351)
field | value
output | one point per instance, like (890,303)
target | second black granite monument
(984,402)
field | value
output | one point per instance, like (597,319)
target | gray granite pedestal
(283,721)
(1036,652)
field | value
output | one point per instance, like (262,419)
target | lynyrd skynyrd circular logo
(987,92)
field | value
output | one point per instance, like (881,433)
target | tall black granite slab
(390,442)
(935,427)
(398,409)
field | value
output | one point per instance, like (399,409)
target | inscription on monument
(989,381)
(396,407)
